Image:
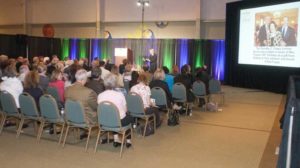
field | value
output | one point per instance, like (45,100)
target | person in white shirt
(118,99)
(12,85)
(144,91)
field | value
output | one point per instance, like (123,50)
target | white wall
(159,10)
(214,9)
(121,17)
(11,12)
(63,11)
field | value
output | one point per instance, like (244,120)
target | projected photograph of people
(276,28)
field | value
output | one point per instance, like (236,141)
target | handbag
(149,129)
(173,118)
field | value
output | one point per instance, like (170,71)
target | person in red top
(57,82)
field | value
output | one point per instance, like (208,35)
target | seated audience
(44,80)
(187,80)
(115,71)
(24,69)
(117,99)
(134,79)
(69,74)
(127,72)
(122,66)
(11,84)
(84,95)
(51,66)
(158,81)
(57,82)
(31,86)
(144,91)
(147,73)
(203,75)
(168,78)
(175,70)
(104,72)
(96,83)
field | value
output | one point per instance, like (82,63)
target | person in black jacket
(134,79)
(31,86)
(96,83)
(158,81)
(187,80)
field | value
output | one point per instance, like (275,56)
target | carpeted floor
(235,137)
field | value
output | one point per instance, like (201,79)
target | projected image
(276,28)
(269,35)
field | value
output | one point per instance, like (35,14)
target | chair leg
(97,141)
(107,137)
(61,133)
(67,131)
(40,131)
(131,134)
(20,127)
(145,127)
(122,144)
(2,122)
(35,125)
(88,139)
(154,122)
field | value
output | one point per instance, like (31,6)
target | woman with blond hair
(31,85)
(158,81)
(115,71)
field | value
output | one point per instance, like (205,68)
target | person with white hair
(86,96)
(118,99)
(24,69)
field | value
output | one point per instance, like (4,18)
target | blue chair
(53,92)
(75,118)
(214,87)
(50,115)
(179,95)
(109,121)
(9,108)
(29,111)
(160,97)
(135,107)
(199,91)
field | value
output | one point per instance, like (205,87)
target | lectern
(123,53)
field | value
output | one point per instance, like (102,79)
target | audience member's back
(96,83)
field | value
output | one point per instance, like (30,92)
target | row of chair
(74,116)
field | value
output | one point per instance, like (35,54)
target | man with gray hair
(84,95)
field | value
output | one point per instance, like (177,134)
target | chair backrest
(108,115)
(135,103)
(199,88)
(8,103)
(179,92)
(49,108)
(214,86)
(53,92)
(74,112)
(159,95)
(126,85)
(27,105)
